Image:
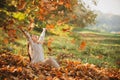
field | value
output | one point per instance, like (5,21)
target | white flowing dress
(36,51)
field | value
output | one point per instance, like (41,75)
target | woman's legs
(52,62)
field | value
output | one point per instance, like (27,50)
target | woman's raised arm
(42,36)
(27,35)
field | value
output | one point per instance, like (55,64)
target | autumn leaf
(21,4)
(19,15)
(11,33)
(41,18)
(52,8)
(5,40)
(31,25)
(50,40)
(72,70)
(19,69)
(41,11)
(61,2)
(59,22)
(50,26)
(66,29)
(82,45)
(74,16)
(49,78)
(73,41)
(11,69)
(100,56)
(67,5)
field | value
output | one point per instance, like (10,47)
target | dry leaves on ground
(14,67)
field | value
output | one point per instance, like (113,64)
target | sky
(106,6)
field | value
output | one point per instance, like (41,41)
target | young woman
(36,51)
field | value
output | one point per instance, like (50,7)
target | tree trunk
(36,52)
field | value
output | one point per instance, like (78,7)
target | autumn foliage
(13,67)
(32,13)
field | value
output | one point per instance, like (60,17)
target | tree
(24,12)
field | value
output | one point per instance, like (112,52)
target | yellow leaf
(19,15)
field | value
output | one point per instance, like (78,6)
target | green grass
(105,44)
(102,49)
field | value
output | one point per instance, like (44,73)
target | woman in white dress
(35,49)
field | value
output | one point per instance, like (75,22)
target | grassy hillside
(101,49)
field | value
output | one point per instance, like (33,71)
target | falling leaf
(66,29)
(74,16)
(59,22)
(50,26)
(100,56)
(61,2)
(50,49)
(73,41)
(12,33)
(31,25)
(67,5)
(82,45)
(50,40)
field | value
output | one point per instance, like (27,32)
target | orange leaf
(49,42)
(52,8)
(59,22)
(67,5)
(19,69)
(82,45)
(41,18)
(50,26)
(5,41)
(42,11)
(49,77)
(11,33)
(61,2)
(12,69)
(74,16)
(21,4)
(66,29)
(31,26)
(73,41)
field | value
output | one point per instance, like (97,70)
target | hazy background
(108,18)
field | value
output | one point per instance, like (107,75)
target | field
(82,54)
(101,49)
